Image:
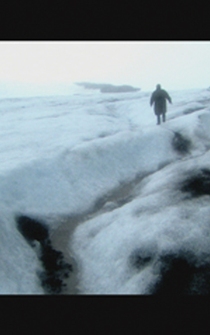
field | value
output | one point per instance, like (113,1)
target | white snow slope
(100,163)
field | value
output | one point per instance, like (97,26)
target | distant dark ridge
(56,270)
(108,88)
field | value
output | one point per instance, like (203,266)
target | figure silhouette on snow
(159,97)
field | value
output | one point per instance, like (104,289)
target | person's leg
(164,117)
(158,119)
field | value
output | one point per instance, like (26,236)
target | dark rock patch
(197,184)
(200,284)
(181,144)
(31,229)
(55,269)
(180,276)
(175,277)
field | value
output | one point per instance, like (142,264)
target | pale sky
(175,65)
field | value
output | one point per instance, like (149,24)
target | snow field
(62,155)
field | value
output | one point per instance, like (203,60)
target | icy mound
(76,179)
(157,243)
(136,194)
(126,251)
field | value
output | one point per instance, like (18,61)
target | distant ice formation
(108,88)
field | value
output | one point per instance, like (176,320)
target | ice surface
(100,164)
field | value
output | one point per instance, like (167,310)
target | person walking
(159,97)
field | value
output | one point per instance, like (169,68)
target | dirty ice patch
(193,128)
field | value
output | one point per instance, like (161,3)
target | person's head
(158,87)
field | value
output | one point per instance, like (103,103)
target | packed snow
(126,201)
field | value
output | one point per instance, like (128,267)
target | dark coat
(159,97)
